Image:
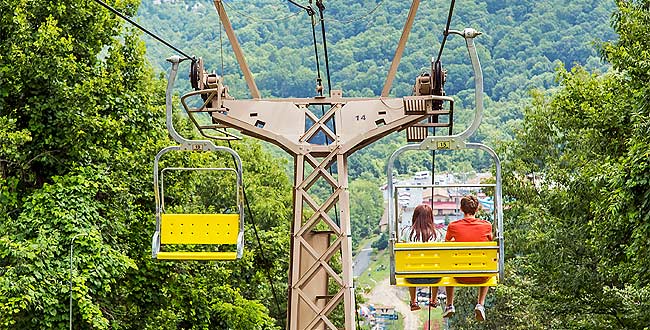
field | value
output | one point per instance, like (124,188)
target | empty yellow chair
(190,233)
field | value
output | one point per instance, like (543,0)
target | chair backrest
(446,263)
(199,228)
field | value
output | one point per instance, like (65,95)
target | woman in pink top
(423,229)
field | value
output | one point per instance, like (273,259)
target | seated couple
(467,229)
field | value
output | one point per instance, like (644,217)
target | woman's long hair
(423,229)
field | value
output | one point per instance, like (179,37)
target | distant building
(422,175)
(442,201)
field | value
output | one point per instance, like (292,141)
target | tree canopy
(577,223)
(81,118)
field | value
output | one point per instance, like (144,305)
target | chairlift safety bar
(448,248)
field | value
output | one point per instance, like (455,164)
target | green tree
(578,187)
(81,118)
(382,242)
(366,209)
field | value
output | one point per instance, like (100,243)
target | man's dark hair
(469,204)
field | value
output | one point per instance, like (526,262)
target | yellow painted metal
(445,281)
(199,228)
(197,255)
(452,245)
(453,259)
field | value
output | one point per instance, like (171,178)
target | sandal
(415,306)
(434,304)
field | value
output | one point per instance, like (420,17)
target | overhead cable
(352,20)
(310,11)
(265,262)
(116,12)
(446,33)
(321,9)
(259,19)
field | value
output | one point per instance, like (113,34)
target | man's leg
(450,295)
(479,310)
(412,294)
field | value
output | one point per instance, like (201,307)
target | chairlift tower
(320,274)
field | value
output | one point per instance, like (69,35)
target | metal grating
(417,105)
(416,133)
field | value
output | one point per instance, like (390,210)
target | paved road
(362,261)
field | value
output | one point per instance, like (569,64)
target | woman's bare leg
(482,293)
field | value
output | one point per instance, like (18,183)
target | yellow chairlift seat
(446,264)
(186,235)
(191,229)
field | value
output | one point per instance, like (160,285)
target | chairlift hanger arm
(400,48)
(457,141)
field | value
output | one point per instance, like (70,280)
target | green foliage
(34,255)
(280,52)
(578,188)
(81,119)
(382,242)
(366,209)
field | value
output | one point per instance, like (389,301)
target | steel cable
(446,33)
(124,17)
(259,243)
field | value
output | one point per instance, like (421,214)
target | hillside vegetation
(523,43)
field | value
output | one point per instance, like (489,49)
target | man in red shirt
(469,229)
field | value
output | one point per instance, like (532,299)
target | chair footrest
(442,281)
(196,255)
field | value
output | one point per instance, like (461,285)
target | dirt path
(385,294)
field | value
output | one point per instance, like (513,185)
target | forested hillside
(523,42)
(522,45)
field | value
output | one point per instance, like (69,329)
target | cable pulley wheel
(438,79)
(194,74)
